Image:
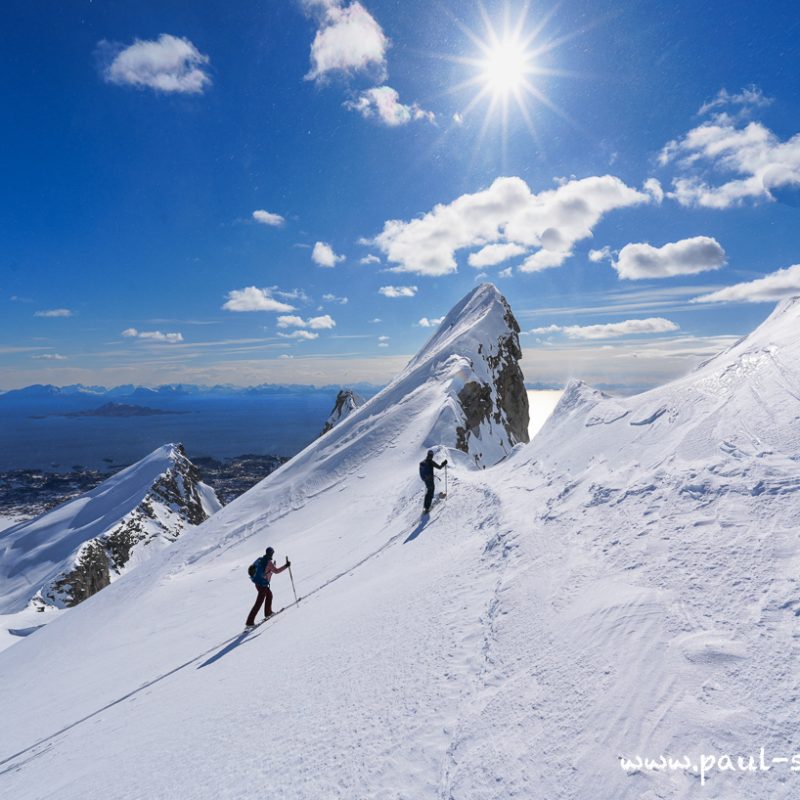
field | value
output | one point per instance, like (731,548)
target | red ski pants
(265,597)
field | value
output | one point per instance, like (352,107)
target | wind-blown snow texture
(60,558)
(625,584)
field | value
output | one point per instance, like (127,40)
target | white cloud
(323,255)
(370,259)
(601,255)
(324,322)
(772,287)
(54,312)
(299,334)
(153,336)
(750,96)
(383,344)
(168,64)
(349,39)
(157,336)
(268,218)
(383,102)
(506,212)
(763,166)
(458,118)
(291,321)
(285,355)
(611,329)
(252,298)
(653,187)
(375,321)
(544,259)
(332,298)
(49,357)
(398,291)
(494,254)
(686,257)
(293,294)
(433,322)
(505,273)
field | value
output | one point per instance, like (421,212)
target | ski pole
(445,480)
(291,577)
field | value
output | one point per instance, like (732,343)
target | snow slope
(622,585)
(8,522)
(55,560)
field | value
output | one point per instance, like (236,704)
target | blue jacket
(426,469)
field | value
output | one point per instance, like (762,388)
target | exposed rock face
(499,402)
(347,401)
(175,500)
(90,575)
(180,487)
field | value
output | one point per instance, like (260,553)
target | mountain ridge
(64,556)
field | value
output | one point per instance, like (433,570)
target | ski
(258,624)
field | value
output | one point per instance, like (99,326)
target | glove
(444,463)
(288,563)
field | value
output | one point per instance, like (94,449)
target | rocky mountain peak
(347,401)
(479,340)
(500,400)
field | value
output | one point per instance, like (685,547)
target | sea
(35,434)
(35,438)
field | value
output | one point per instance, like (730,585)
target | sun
(505,68)
(508,69)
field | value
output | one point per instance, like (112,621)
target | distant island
(114,410)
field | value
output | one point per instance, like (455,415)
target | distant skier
(426,468)
(260,573)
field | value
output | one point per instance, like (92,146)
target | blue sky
(648,155)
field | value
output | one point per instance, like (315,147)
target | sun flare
(506,67)
(509,68)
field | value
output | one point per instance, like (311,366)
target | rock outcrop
(176,500)
(500,400)
(347,401)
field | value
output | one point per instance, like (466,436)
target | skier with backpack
(426,468)
(261,570)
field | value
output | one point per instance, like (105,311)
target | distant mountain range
(133,392)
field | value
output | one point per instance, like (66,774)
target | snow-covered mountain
(61,558)
(623,585)
(347,401)
(476,351)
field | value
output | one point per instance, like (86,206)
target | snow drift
(623,585)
